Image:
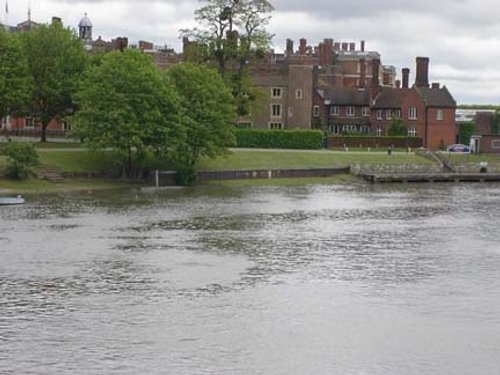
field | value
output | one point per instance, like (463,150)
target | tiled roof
(436,97)
(345,96)
(390,98)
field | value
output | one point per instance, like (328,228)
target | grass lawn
(71,161)
(58,145)
(247,159)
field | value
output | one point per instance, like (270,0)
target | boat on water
(11,200)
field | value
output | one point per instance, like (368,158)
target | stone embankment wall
(359,169)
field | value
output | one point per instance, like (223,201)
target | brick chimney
(362,46)
(352,47)
(289,46)
(406,77)
(362,73)
(436,85)
(422,78)
(398,84)
(303,46)
(345,46)
(375,72)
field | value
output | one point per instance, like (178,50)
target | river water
(316,279)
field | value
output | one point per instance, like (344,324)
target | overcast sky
(461,37)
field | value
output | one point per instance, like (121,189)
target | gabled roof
(390,97)
(436,97)
(344,96)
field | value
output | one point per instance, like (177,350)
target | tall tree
(15,82)
(56,59)
(208,116)
(232,34)
(128,104)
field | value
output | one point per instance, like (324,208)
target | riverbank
(71,160)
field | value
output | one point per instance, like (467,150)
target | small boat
(11,200)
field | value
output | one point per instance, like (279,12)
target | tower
(85,29)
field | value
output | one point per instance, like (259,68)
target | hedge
(285,139)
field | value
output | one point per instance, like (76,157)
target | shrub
(285,139)
(21,157)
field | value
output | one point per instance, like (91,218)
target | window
(316,111)
(364,129)
(275,110)
(439,115)
(244,125)
(379,132)
(351,111)
(66,125)
(388,114)
(299,94)
(276,92)
(380,114)
(412,132)
(275,125)
(412,113)
(28,122)
(290,111)
(366,111)
(334,111)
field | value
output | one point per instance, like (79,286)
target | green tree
(396,128)
(466,130)
(209,116)
(126,103)
(56,59)
(15,82)
(21,157)
(232,34)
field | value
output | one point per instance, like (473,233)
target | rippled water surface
(377,280)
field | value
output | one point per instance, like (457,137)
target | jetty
(431,177)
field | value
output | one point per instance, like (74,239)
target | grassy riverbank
(72,158)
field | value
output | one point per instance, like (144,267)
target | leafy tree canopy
(128,104)
(232,33)
(396,128)
(209,115)
(15,82)
(56,60)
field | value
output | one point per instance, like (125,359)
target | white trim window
(334,110)
(276,93)
(365,112)
(275,125)
(412,131)
(440,115)
(290,112)
(299,94)
(412,113)
(379,132)
(29,122)
(351,111)
(380,114)
(388,114)
(397,113)
(316,111)
(275,110)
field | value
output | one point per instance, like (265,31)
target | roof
(85,21)
(390,97)
(344,96)
(436,97)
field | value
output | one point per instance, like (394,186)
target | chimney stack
(422,78)
(436,85)
(289,46)
(398,84)
(352,47)
(362,73)
(345,46)
(303,46)
(362,46)
(375,73)
(406,77)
